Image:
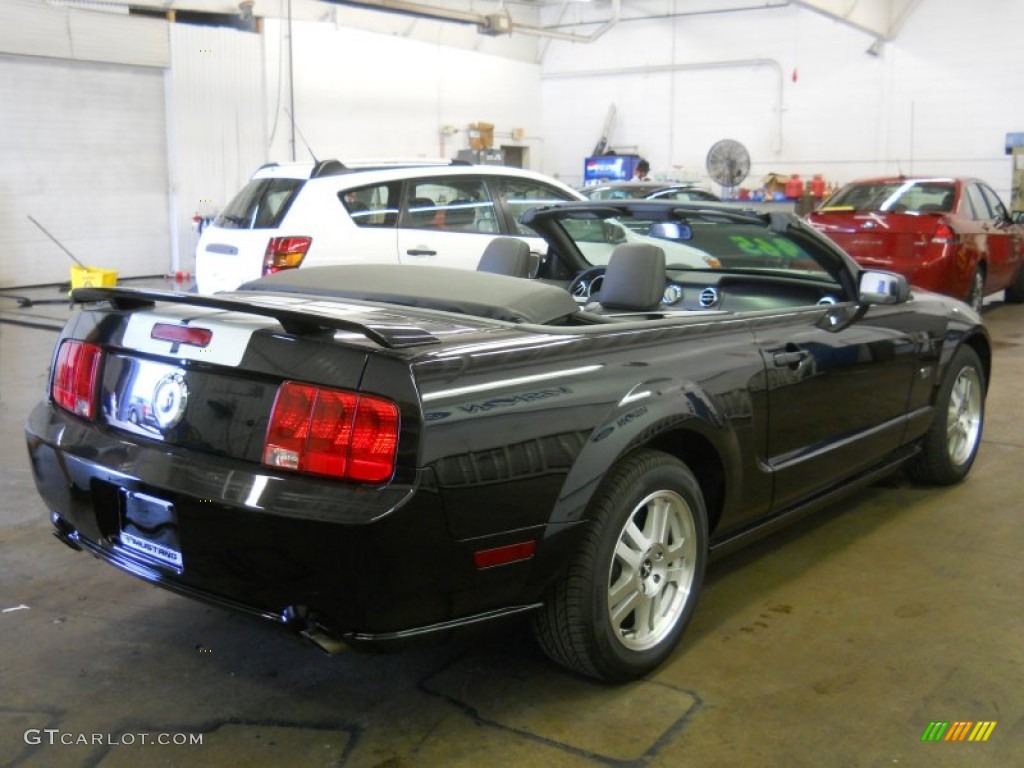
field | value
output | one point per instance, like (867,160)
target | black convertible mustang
(370,454)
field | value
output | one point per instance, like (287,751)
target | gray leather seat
(507,256)
(422,211)
(634,280)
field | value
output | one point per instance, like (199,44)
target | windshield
(697,241)
(907,196)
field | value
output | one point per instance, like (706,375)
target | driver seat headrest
(635,278)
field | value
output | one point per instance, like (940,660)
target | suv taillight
(76,378)
(285,253)
(332,432)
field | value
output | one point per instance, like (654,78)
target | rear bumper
(372,566)
(295,617)
(939,268)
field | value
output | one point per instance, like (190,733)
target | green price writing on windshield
(764,246)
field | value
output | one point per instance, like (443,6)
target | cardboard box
(775,182)
(481,136)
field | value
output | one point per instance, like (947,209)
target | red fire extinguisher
(794,187)
(818,186)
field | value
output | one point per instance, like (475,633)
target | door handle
(420,252)
(789,359)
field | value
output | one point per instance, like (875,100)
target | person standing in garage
(643,170)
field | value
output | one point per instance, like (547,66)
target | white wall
(83,145)
(365,95)
(217,134)
(939,99)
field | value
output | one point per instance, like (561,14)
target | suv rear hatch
(235,247)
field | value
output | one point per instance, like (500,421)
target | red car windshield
(920,196)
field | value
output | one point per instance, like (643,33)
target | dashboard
(724,291)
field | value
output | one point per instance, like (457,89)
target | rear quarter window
(261,204)
(375,205)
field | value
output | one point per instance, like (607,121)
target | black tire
(649,508)
(951,443)
(976,290)
(1015,291)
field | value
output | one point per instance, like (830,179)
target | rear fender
(649,411)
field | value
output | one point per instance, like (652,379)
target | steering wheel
(580,287)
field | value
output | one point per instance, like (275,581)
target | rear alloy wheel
(633,586)
(976,293)
(951,443)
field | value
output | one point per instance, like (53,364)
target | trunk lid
(216,398)
(203,373)
(893,241)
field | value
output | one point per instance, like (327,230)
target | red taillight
(331,432)
(285,253)
(76,378)
(943,235)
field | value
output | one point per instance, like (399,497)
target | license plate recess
(149,529)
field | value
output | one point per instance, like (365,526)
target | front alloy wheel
(634,582)
(963,419)
(951,443)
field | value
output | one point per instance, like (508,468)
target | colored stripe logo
(958,730)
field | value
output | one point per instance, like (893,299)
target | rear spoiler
(299,322)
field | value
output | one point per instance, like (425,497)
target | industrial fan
(728,164)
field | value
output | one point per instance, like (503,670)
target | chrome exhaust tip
(300,618)
(65,532)
(325,642)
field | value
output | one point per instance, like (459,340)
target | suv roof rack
(331,167)
(328,168)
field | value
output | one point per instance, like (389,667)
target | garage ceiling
(881,19)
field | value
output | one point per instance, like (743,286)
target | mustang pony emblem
(170,396)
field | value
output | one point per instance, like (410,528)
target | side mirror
(875,287)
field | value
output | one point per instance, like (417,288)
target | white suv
(307,214)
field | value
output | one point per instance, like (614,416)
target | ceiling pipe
(485,22)
(418,10)
(766,6)
(772,64)
(573,37)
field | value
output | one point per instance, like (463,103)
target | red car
(947,235)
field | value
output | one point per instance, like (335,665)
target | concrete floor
(834,643)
